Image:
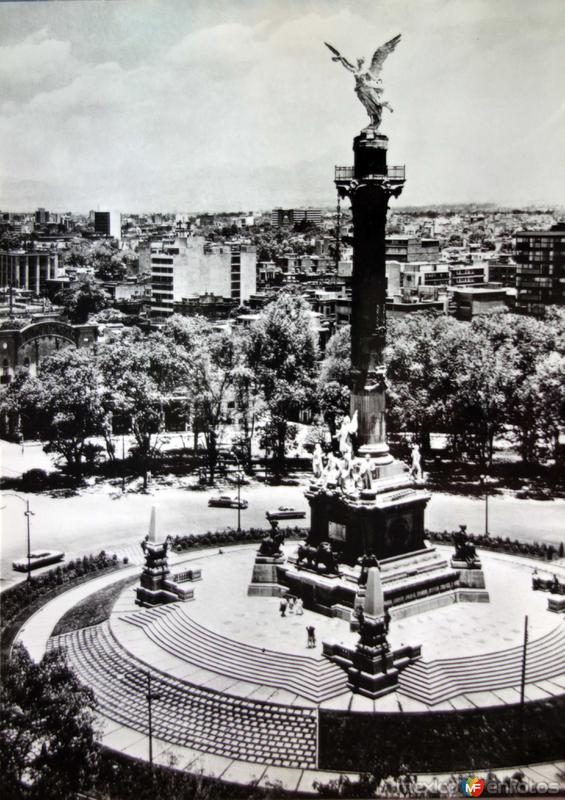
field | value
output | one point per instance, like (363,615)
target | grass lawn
(94,609)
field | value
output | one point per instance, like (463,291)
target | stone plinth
(156,586)
(265,577)
(470,578)
(372,667)
(556,603)
(387,520)
(416,579)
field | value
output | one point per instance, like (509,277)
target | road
(96,520)
(100,517)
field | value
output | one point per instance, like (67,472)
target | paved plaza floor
(223,611)
(223,605)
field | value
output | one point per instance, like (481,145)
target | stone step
(188,715)
(439,680)
(548,641)
(315,679)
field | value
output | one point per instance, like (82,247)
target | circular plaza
(241,697)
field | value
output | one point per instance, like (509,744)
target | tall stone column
(369,189)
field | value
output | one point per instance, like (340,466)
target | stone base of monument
(157,585)
(556,603)
(265,577)
(471,575)
(157,597)
(407,578)
(189,574)
(372,667)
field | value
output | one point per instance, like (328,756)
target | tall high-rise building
(191,267)
(282,217)
(540,274)
(108,223)
(41,216)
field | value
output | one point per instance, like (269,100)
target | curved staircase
(436,681)
(316,679)
(257,731)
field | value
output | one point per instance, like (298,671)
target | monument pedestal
(157,586)
(471,576)
(386,520)
(265,580)
(265,577)
(372,667)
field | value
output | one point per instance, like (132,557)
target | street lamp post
(523,685)
(150,696)
(484,481)
(27,513)
(238,493)
(123,461)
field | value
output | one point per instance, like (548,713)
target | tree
(10,240)
(47,739)
(420,356)
(549,389)
(139,375)
(483,377)
(77,256)
(283,353)
(209,379)
(527,341)
(334,380)
(110,315)
(247,398)
(82,300)
(62,403)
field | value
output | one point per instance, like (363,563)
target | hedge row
(543,551)
(183,542)
(16,598)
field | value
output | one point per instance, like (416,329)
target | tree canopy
(283,353)
(47,737)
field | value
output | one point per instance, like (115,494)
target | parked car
(38,558)
(286,512)
(227,501)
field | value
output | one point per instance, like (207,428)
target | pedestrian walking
(283,606)
(291,604)
(299,607)
(311,631)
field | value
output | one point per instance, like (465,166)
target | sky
(210,105)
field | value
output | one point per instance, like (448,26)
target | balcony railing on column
(396,173)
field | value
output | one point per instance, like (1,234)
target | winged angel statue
(368,85)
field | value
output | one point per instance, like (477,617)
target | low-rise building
(29,270)
(284,217)
(404,248)
(467,274)
(477,300)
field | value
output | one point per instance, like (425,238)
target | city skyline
(154,105)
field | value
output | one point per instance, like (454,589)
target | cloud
(35,61)
(242,108)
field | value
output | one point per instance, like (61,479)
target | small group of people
(292,604)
